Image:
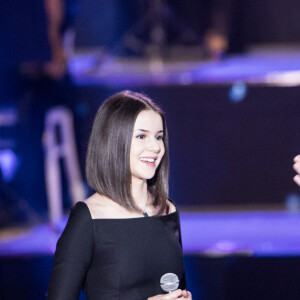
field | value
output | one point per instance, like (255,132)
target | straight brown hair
(108,154)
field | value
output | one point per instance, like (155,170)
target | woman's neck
(139,191)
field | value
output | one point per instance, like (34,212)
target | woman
(296,167)
(120,242)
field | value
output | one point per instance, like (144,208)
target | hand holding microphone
(169,282)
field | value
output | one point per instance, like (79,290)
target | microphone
(169,282)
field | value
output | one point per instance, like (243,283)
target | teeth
(151,160)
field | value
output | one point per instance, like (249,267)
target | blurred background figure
(60,16)
(226,31)
(56,18)
(37,38)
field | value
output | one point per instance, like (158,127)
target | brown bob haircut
(108,154)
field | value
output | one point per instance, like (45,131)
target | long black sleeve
(183,284)
(73,256)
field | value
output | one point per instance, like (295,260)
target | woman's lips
(149,161)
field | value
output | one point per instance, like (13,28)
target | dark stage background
(273,21)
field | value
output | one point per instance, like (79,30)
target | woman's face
(147,146)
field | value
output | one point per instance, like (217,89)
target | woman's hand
(296,167)
(186,295)
(178,294)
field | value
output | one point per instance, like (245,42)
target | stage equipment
(154,26)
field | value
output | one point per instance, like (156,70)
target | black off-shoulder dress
(115,259)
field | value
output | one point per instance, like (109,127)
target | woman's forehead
(148,120)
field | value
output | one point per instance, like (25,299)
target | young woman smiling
(119,242)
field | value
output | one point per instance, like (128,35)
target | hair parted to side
(108,154)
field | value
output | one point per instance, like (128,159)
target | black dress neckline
(128,219)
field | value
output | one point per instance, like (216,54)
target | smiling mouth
(149,161)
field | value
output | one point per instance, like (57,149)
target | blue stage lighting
(238,92)
(9,163)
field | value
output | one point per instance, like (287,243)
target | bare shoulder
(98,206)
(102,207)
(172,207)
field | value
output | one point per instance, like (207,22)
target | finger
(174,295)
(297,158)
(296,167)
(186,294)
(297,179)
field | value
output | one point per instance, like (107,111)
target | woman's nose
(153,145)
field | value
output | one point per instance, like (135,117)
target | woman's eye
(159,137)
(140,136)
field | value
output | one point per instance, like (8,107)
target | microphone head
(169,282)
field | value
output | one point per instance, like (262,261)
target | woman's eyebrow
(144,130)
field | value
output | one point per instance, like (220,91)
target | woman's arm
(73,256)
